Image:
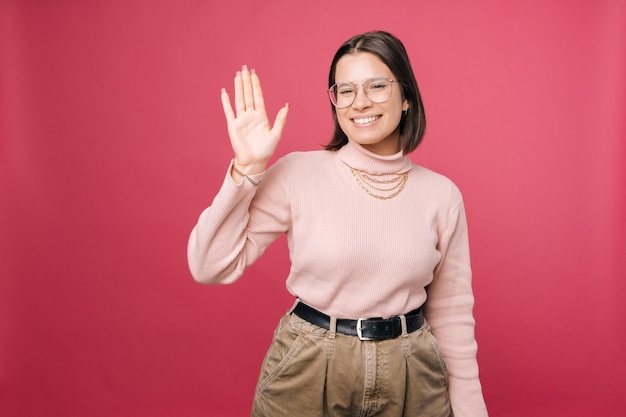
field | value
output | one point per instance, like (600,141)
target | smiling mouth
(365,120)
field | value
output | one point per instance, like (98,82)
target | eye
(378,85)
(344,90)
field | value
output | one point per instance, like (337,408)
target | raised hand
(252,137)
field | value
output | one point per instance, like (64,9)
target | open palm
(252,137)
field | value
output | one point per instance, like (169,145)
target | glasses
(378,90)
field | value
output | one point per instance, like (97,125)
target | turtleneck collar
(356,156)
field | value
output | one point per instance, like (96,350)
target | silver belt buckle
(359,332)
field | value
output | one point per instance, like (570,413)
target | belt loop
(405,332)
(332,331)
(293,307)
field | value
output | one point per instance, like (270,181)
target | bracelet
(253,182)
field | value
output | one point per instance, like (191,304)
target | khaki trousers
(309,372)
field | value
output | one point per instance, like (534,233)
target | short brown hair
(392,53)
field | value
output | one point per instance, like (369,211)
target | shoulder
(308,156)
(297,167)
(437,184)
(298,160)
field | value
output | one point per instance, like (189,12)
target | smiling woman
(112,140)
(396,296)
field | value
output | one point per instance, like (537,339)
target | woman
(382,324)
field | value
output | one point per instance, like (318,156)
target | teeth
(365,120)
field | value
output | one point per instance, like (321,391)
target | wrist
(253,168)
(248,172)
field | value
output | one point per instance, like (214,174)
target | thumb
(281,120)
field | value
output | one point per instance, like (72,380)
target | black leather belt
(364,329)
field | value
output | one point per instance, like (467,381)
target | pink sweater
(353,255)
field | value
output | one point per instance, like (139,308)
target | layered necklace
(383,186)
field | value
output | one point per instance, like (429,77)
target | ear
(405,105)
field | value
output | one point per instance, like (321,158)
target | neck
(361,158)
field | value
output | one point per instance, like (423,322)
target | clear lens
(378,90)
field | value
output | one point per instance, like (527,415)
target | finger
(248,96)
(228,109)
(239,102)
(281,120)
(259,102)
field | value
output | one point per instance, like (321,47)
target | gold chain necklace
(383,187)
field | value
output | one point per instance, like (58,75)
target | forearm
(218,249)
(242,221)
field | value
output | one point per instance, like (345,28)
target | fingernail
(244,67)
(253,71)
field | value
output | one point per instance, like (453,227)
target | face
(375,126)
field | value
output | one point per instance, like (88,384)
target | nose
(361,100)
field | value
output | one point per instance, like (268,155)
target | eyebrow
(369,79)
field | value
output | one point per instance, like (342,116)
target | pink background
(113,140)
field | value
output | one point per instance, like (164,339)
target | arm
(238,226)
(220,245)
(448,310)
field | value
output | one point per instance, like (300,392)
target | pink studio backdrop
(113,141)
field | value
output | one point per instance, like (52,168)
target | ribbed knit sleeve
(222,244)
(448,310)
